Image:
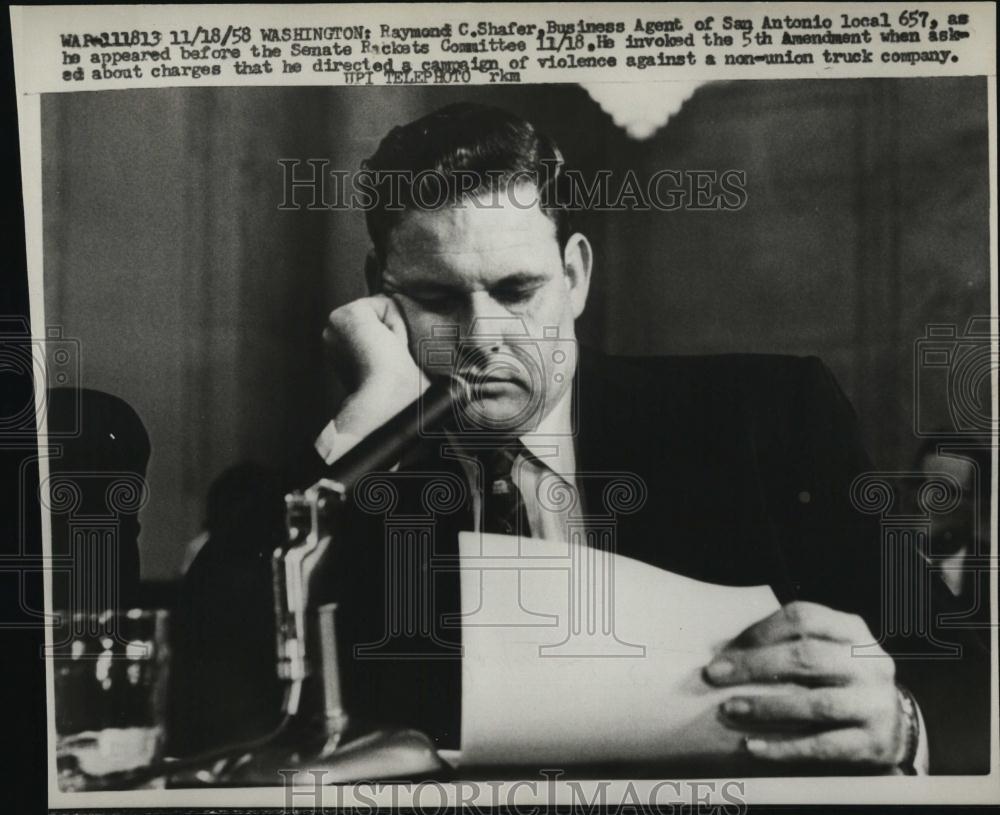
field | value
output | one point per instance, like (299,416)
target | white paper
(622,683)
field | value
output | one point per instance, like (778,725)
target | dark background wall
(201,303)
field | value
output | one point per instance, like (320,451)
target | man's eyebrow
(521,279)
(428,286)
(434,286)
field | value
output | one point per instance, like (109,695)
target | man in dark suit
(733,469)
(747,462)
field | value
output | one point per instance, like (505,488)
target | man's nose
(487,323)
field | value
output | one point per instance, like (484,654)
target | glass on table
(111,673)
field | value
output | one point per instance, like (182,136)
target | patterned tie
(504,512)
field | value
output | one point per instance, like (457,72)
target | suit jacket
(747,464)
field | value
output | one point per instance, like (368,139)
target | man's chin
(498,412)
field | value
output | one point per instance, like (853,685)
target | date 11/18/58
(230,35)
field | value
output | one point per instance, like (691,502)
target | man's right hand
(367,339)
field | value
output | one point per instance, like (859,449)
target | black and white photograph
(437,434)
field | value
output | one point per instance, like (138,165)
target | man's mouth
(476,377)
(494,384)
(478,384)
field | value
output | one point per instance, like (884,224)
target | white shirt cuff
(331,444)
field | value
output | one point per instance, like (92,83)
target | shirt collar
(551,443)
(554,430)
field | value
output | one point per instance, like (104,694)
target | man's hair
(455,153)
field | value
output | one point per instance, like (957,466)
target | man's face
(488,294)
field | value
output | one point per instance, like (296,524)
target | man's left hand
(840,709)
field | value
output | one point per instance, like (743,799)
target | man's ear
(373,272)
(578,261)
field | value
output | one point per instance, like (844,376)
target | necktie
(504,512)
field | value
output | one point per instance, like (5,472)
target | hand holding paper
(574,655)
(851,701)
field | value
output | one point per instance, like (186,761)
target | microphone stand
(313,738)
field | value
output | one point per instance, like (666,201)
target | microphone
(384,446)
